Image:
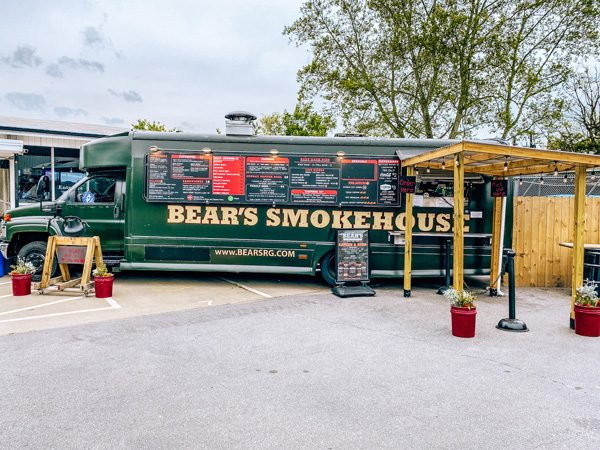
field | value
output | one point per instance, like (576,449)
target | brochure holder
(352,263)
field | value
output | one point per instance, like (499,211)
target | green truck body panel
(243,237)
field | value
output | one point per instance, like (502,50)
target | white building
(31,148)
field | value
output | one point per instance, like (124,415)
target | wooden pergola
(499,161)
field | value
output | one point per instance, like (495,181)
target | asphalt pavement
(307,371)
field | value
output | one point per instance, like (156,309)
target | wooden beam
(434,154)
(408,238)
(459,221)
(47,271)
(521,163)
(89,257)
(533,153)
(578,234)
(527,169)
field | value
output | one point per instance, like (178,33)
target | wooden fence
(540,223)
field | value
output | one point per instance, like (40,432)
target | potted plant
(463,311)
(21,277)
(587,310)
(103,281)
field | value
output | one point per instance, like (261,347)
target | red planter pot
(463,321)
(587,321)
(103,286)
(21,284)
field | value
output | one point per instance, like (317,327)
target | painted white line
(110,300)
(3,296)
(39,306)
(6,282)
(208,302)
(246,287)
(112,303)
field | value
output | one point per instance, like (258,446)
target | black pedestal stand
(353,291)
(511,324)
(448,266)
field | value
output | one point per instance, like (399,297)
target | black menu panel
(193,178)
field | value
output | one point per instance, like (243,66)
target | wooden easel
(63,282)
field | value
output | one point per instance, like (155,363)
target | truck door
(98,201)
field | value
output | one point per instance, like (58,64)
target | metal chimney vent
(239,123)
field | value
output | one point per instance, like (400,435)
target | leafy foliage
(304,121)
(22,267)
(462,299)
(143,124)
(444,68)
(101,271)
(581,131)
(586,295)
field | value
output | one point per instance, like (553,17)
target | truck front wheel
(35,253)
(328,268)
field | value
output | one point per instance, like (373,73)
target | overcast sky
(185,63)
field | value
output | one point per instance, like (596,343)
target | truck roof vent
(239,123)
(349,135)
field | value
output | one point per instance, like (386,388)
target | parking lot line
(6,282)
(39,306)
(113,305)
(246,287)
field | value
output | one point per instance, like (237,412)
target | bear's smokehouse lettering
(303,218)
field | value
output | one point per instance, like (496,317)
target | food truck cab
(246,203)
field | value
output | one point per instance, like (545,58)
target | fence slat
(534,241)
(539,224)
(551,246)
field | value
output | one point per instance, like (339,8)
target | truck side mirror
(52,208)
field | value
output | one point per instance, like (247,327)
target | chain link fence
(562,185)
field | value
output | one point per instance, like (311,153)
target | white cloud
(63,111)
(26,101)
(23,56)
(190,61)
(129,96)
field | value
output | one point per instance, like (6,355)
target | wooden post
(408,238)
(50,251)
(496,244)
(578,235)
(459,220)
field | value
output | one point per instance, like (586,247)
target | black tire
(328,268)
(35,253)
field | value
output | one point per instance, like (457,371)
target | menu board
(352,255)
(193,178)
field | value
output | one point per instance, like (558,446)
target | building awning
(10,147)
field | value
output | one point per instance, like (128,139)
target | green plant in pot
(586,295)
(587,310)
(103,281)
(463,312)
(460,299)
(101,271)
(22,268)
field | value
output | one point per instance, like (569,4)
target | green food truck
(239,202)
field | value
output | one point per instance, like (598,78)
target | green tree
(143,124)
(442,68)
(580,131)
(271,124)
(304,121)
